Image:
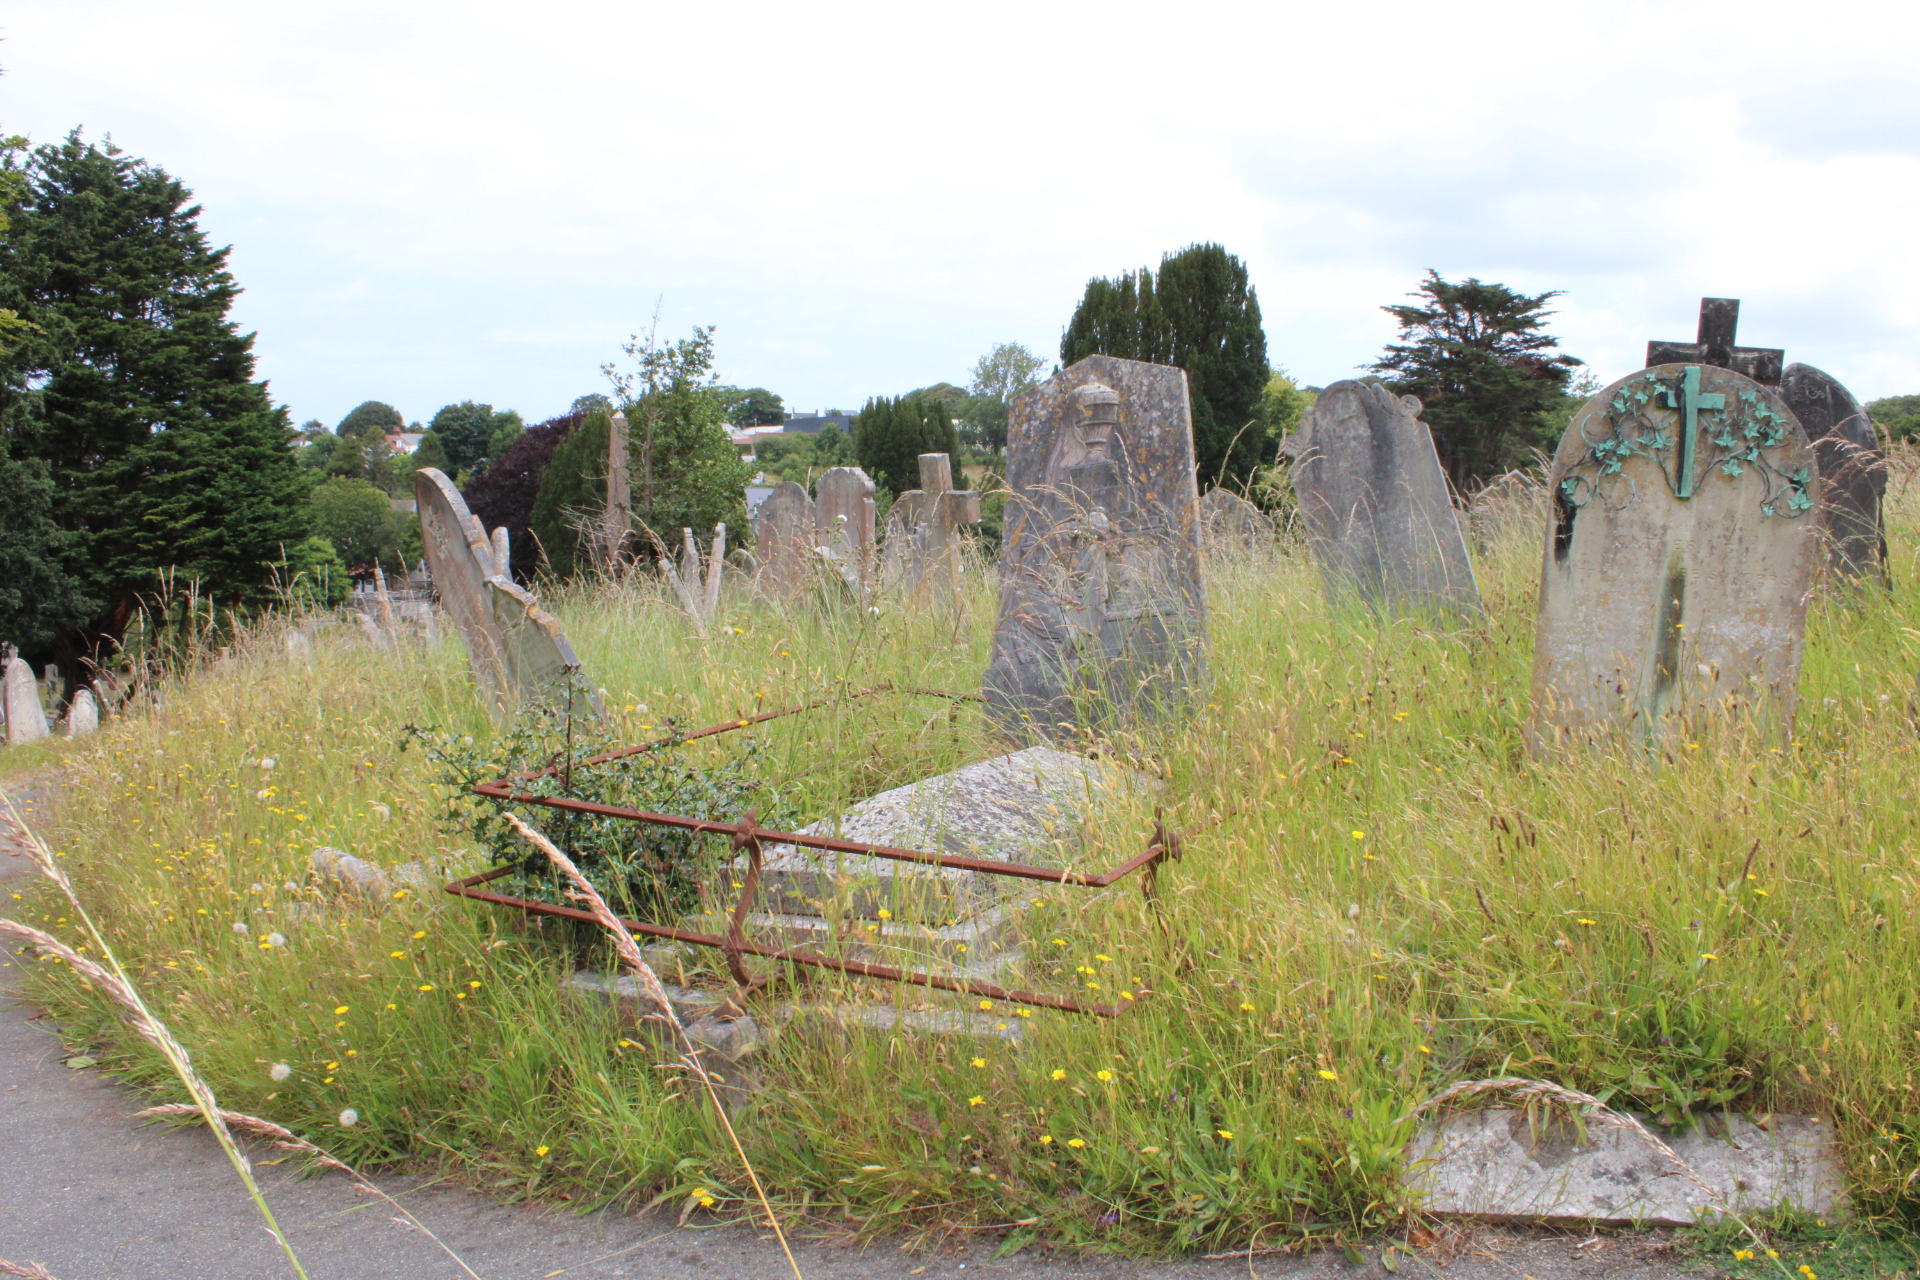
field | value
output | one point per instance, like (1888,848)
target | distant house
(810,424)
(404,442)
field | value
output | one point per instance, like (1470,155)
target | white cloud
(437,201)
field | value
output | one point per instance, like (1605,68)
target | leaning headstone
(1234,526)
(83,714)
(1684,537)
(924,529)
(539,659)
(460,558)
(1102,608)
(843,517)
(1379,519)
(1850,462)
(26,718)
(783,538)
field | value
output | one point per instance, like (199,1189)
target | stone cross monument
(924,528)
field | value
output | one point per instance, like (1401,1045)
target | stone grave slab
(461,559)
(783,543)
(535,652)
(924,537)
(1233,526)
(1103,610)
(1684,536)
(1379,517)
(1493,1164)
(843,517)
(83,716)
(1850,462)
(26,717)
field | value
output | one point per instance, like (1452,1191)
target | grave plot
(917,885)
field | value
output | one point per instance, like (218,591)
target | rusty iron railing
(748,837)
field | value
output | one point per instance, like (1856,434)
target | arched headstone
(1684,536)
(460,558)
(783,531)
(1850,462)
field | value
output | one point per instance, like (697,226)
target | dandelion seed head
(279,1071)
(349,1118)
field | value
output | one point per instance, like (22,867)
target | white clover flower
(276,940)
(240,926)
(349,1118)
(279,1071)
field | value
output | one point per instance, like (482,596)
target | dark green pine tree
(889,435)
(137,391)
(1201,314)
(1478,358)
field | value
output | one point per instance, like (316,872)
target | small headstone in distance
(26,718)
(843,516)
(924,537)
(1103,611)
(83,714)
(1850,461)
(1684,536)
(783,532)
(1379,518)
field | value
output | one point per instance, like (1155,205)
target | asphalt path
(90,1193)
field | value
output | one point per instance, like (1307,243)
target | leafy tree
(136,391)
(686,471)
(314,575)
(39,597)
(1479,359)
(504,492)
(507,426)
(752,406)
(572,494)
(1281,406)
(1898,416)
(359,521)
(1201,314)
(465,431)
(430,453)
(583,405)
(373,418)
(890,435)
(998,377)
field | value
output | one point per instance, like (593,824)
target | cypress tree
(889,435)
(1201,314)
(137,391)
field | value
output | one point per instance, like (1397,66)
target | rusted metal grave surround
(748,836)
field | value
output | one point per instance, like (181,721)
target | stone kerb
(1102,619)
(1850,461)
(1378,514)
(1684,538)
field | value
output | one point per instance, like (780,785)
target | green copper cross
(1688,399)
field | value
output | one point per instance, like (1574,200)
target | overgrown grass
(1392,896)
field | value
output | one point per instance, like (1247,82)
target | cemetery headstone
(1684,535)
(502,546)
(460,558)
(1719,318)
(83,714)
(783,538)
(1850,462)
(1233,525)
(1379,519)
(924,535)
(26,718)
(843,516)
(536,653)
(1102,607)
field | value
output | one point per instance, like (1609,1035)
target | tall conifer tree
(136,389)
(1201,314)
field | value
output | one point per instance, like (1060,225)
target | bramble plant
(652,872)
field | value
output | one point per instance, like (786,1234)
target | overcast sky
(431,202)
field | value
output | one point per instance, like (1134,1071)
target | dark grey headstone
(1102,608)
(1850,462)
(1379,517)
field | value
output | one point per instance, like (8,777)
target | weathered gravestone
(83,715)
(1713,345)
(26,718)
(1850,462)
(460,558)
(1683,539)
(515,649)
(924,535)
(1379,519)
(783,531)
(1102,607)
(1234,526)
(843,521)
